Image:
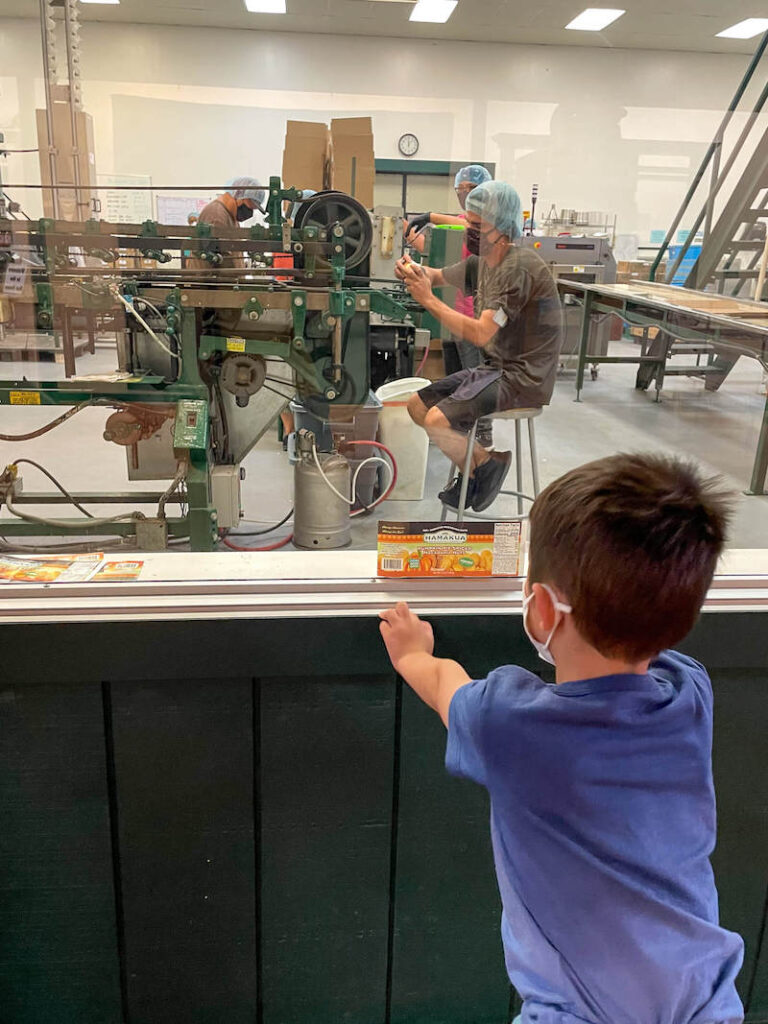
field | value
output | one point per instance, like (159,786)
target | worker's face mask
(244,212)
(562,609)
(488,241)
(472,240)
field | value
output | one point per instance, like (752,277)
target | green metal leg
(760,468)
(203,530)
(586,323)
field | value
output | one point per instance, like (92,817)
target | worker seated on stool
(517,324)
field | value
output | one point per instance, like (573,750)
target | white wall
(598,129)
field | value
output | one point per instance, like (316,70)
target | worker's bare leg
(451,442)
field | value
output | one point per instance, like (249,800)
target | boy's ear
(543,609)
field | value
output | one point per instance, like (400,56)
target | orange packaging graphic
(452,550)
(118,572)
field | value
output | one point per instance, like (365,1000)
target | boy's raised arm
(410,644)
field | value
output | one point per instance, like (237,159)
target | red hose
(391,457)
(421,365)
(270,547)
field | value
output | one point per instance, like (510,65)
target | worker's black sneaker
(489,479)
(450,496)
(484,435)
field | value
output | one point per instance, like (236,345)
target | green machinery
(212,341)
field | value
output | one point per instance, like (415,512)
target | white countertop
(308,585)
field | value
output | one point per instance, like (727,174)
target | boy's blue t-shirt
(603,821)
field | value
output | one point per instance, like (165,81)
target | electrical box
(225,496)
(190,431)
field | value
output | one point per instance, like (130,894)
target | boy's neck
(590,664)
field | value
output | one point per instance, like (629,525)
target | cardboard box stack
(72,205)
(340,157)
(638,270)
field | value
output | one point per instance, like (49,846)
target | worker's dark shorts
(467,396)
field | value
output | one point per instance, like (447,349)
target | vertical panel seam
(114,830)
(394,825)
(257,858)
(757,956)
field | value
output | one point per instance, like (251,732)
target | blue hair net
(247,188)
(475,174)
(498,204)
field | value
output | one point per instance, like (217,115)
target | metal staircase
(733,243)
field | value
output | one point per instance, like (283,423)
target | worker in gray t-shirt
(517,324)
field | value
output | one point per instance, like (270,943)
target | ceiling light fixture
(436,11)
(99,1)
(594,19)
(265,6)
(745,29)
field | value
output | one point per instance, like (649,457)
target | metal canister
(321,518)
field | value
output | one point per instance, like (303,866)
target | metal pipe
(713,187)
(761,273)
(48,109)
(72,108)
(710,152)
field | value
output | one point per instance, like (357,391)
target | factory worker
(467,179)
(517,325)
(458,354)
(242,198)
(239,203)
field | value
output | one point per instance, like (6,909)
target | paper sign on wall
(15,279)
(176,209)
(123,205)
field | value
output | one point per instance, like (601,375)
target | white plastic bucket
(407,442)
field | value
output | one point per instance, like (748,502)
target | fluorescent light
(265,6)
(99,1)
(594,19)
(437,11)
(745,29)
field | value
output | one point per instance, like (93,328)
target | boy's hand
(404,633)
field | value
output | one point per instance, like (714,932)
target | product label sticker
(452,550)
(25,398)
(235,344)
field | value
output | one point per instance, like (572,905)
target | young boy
(602,801)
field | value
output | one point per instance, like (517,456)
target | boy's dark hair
(632,542)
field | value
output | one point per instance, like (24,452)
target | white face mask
(543,648)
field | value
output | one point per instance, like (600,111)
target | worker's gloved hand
(419,223)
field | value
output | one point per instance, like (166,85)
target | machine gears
(242,376)
(329,208)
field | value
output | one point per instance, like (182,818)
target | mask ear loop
(559,606)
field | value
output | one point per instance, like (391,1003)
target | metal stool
(518,415)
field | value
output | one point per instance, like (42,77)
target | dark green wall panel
(184,784)
(448,963)
(327,757)
(58,948)
(347,877)
(741,780)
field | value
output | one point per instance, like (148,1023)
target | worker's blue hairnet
(498,204)
(475,174)
(247,188)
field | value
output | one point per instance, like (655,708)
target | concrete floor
(719,430)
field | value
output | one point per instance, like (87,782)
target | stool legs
(534,458)
(467,471)
(519,465)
